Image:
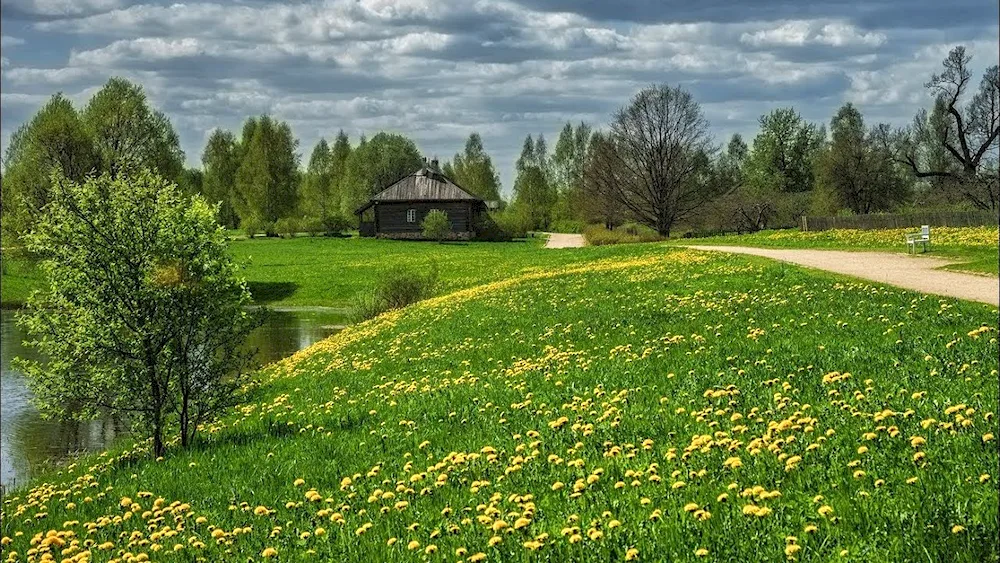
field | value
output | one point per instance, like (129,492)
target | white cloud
(10,41)
(62,7)
(800,33)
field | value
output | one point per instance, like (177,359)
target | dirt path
(911,272)
(564,240)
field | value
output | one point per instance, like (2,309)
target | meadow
(649,404)
(973,248)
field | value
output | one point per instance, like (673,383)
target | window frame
(411,215)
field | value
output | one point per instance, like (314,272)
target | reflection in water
(27,442)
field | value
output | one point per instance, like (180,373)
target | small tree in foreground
(143,316)
(436,225)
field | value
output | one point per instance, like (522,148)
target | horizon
(438,71)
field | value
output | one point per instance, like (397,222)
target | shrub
(312,225)
(255,226)
(398,287)
(436,225)
(487,229)
(567,226)
(597,235)
(336,223)
(287,226)
(512,222)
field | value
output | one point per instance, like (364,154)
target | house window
(411,215)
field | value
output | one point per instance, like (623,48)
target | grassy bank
(646,405)
(975,248)
(328,272)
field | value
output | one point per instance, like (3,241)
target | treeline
(655,165)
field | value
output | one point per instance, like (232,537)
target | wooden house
(398,210)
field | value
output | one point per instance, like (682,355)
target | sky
(437,70)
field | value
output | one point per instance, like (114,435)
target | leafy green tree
(317,185)
(220,162)
(191,181)
(129,135)
(340,153)
(143,316)
(436,225)
(857,172)
(534,195)
(268,176)
(567,166)
(54,139)
(473,170)
(374,165)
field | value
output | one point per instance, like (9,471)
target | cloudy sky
(440,69)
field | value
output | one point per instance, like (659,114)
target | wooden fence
(899,221)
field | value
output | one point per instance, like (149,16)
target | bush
(487,229)
(287,226)
(512,222)
(436,225)
(254,226)
(336,224)
(312,225)
(398,287)
(567,226)
(597,235)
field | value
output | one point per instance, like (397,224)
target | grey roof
(426,184)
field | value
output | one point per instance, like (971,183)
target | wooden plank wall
(392,216)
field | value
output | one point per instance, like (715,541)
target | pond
(28,442)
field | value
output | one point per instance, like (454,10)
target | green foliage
(55,139)
(857,170)
(436,225)
(568,164)
(599,235)
(319,193)
(142,315)
(375,164)
(534,195)
(287,226)
(220,161)
(130,136)
(268,177)
(473,170)
(567,226)
(398,287)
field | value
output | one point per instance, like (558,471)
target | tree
(268,176)
(340,153)
(374,165)
(317,185)
(957,143)
(534,196)
(191,181)
(129,136)
(474,171)
(436,225)
(143,316)
(54,139)
(594,205)
(655,161)
(780,162)
(567,166)
(220,162)
(856,171)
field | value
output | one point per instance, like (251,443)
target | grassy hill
(657,404)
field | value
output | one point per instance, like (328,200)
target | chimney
(434,163)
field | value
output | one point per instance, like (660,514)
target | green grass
(331,271)
(646,367)
(18,279)
(975,249)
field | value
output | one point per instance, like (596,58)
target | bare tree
(955,143)
(655,161)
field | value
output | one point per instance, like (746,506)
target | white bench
(922,238)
